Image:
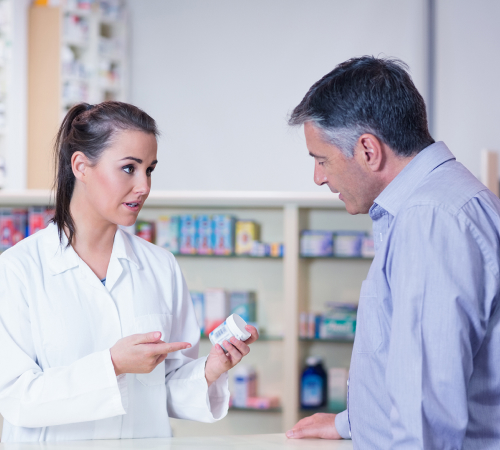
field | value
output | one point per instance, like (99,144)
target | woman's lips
(133,206)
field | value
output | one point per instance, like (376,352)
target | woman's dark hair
(367,95)
(89,129)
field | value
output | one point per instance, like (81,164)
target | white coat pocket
(146,324)
(368,333)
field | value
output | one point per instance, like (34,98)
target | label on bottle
(312,390)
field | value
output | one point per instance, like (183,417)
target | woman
(98,337)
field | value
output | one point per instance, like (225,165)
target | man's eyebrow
(315,156)
(139,160)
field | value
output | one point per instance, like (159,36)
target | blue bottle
(313,384)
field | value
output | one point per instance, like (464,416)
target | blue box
(348,243)
(205,233)
(223,234)
(188,234)
(316,243)
(243,303)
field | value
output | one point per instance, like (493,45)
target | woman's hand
(219,362)
(141,353)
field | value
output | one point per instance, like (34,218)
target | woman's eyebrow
(139,160)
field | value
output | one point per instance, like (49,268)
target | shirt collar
(396,193)
(62,258)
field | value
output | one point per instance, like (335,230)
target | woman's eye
(149,171)
(129,169)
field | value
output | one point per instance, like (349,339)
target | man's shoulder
(450,187)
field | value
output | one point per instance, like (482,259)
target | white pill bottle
(234,325)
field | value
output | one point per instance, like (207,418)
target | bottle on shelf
(313,384)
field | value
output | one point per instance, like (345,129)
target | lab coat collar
(62,258)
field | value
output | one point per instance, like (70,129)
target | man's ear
(79,165)
(371,152)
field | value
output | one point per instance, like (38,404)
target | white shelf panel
(246,199)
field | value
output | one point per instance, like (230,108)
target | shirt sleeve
(342,425)
(441,299)
(32,397)
(188,394)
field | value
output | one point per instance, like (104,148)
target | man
(425,367)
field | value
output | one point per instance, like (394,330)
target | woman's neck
(94,235)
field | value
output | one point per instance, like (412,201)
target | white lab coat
(57,324)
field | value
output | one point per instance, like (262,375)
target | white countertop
(251,442)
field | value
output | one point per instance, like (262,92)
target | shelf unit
(75,55)
(285,286)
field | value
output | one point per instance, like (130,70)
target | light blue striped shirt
(425,368)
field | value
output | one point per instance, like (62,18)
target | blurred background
(220,77)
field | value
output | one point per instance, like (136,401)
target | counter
(251,442)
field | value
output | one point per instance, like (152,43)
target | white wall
(221,76)
(468,87)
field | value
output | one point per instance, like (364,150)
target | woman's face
(119,184)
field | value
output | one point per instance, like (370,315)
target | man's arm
(437,277)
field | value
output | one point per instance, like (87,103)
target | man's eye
(129,169)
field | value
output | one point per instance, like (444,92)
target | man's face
(350,177)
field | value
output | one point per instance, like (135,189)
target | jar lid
(314,360)
(237,326)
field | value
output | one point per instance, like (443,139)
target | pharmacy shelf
(185,255)
(200,199)
(355,258)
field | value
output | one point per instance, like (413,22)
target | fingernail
(188,346)
(157,335)
(289,434)
(233,340)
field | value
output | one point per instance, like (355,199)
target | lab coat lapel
(122,249)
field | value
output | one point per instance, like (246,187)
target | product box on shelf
(38,218)
(224,234)
(337,388)
(316,243)
(145,230)
(12,227)
(199,309)
(167,233)
(260,249)
(348,243)
(338,322)
(368,247)
(247,231)
(243,303)
(244,385)
(205,229)
(276,250)
(216,308)
(188,234)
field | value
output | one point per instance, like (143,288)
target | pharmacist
(98,336)
(424,370)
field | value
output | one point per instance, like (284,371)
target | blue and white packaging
(188,234)
(205,233)
(347,244)
(167,233)
(223,234)
(244,304)
(316,243)
(199,308)
(368,247)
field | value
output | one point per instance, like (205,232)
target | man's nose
(319,176)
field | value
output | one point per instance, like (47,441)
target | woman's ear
(79,165)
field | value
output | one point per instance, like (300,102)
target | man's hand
(141,353)
(319,425)
(219,362)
